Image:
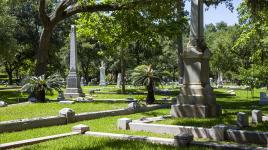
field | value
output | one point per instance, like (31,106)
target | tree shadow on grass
(205,122)
(153,114)
(130,145)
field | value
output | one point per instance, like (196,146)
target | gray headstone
(81,128)
(73,89)
(123,123)
(79,99)
(3,104)
(183,139)
(68,113)
(133,105)
(242,120)
(256,116)
(82,81)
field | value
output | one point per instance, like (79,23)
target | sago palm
(37,86)
(145,75)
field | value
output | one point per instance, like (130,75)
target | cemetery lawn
(231,105)
(32,110)
(97,143)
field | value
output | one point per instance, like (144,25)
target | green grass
(106,124)
(51,109)
(12,96)
(231,105)
(94,143)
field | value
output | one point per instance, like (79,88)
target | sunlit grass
(97,143)
(52,109)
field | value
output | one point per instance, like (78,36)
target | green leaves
(33,83)
(142,75)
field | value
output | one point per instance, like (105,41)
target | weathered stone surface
(243,136)
(198,132)
(219,132)
(61,96)
(23,124)
(102,75)
(242,120)
(256,116)
(73,89)
(263,98)
(187,110)
(16,144)
(183,139)
(133,105)
(123,123)
(66,102)
(81,128)
(68,113)
(79,98)
(3,104)
(119,78)
(196,89)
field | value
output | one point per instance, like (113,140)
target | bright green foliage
(145,75)
(221,48)
(34,85)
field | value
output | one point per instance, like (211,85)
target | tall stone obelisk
(73,89)
(196,98)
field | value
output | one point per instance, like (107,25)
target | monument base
(73,93)
(103,84)
(197,111)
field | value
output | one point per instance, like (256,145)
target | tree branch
(42,13)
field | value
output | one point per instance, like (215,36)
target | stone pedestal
(73,89)
(196,97)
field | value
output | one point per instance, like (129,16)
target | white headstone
(102,75)
(256,116)
(220,81)
(119,79)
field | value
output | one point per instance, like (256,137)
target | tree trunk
(40,96)
(9,70)
(180,39)
(122,62)
(42,54)
(150,95)
(10,78)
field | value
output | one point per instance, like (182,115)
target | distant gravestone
(210,81)
(82,81)
(3,104)
(256,116)
(263,98)
(219,81)
(102,75)
(61,96)
(242,120)
(119,79)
